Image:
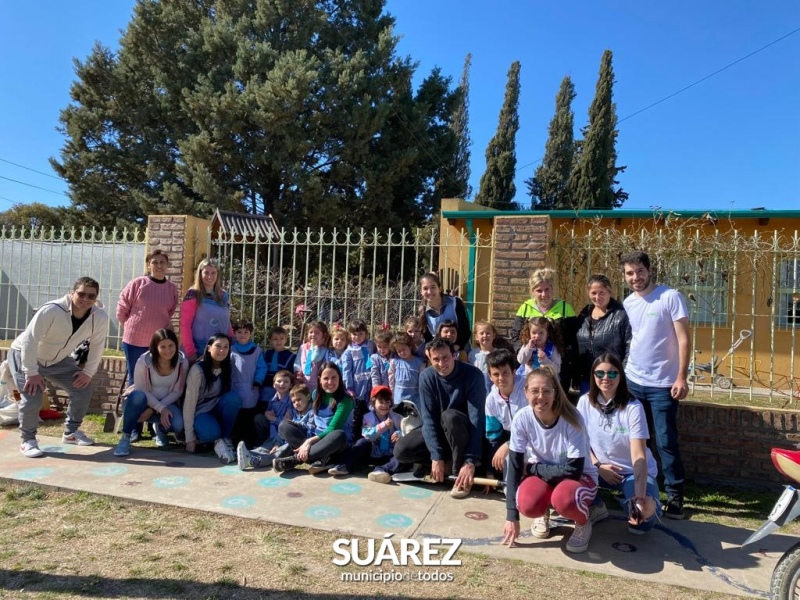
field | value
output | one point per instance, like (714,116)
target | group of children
(381,375)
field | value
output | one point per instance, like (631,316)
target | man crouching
(42,353)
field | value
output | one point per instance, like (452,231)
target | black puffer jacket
(612,333)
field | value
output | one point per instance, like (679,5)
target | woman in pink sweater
(146,305)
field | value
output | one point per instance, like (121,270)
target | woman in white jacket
(159,378)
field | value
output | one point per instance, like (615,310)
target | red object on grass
(50,415)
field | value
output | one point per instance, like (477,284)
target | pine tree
(548,187)
(497,187)
(594,174)
(460,126)
(293,108)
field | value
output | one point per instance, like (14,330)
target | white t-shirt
(654,357)
(550,446)
(610,436)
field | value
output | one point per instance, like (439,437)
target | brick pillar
(185,240)
(521,246)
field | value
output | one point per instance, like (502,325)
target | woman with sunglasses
(617,429)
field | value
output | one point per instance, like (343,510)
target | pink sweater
(144,307)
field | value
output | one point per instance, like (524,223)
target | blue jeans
(662,420)
(132,354)
(219,421)
(627,487)
(136,404)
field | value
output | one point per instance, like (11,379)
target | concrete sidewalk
(699,555)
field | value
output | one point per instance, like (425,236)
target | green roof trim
(622,214)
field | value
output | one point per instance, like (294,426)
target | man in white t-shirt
(657,365)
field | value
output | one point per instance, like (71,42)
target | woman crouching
(559,472)
(617,429)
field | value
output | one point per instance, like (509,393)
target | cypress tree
(460,126)
(548,187)
(497,187)
(595,171)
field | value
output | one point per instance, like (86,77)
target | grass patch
(299,559)
(742,398)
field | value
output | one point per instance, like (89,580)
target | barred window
(705,287)
(787,311)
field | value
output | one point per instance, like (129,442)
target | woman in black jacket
(604,327)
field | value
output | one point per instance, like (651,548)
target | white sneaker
(598,512)
(379,476)
(224,449)
(243,457)
(78,438)
(30,449)
(541,527)
(579,540)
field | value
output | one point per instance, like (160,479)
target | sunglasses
(86,295)
(610,374)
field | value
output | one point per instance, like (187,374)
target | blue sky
(730,142)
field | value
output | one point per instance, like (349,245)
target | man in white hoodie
(42,353)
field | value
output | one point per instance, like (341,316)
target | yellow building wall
(454,267)
(197,242)
(749,306)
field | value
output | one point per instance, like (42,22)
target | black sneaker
(674,507)
(319,466)
(284,464)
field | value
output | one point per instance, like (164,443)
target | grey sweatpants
(60,375)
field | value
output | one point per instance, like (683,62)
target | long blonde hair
(198,286)
(562,407)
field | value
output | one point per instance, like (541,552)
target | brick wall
(731,443)
(168,232)
(521,246)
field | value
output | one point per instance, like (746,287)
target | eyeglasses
(86,295)
(610,374)
(540,392)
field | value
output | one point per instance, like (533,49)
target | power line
(30,169)
(709,76)
(34,186)
(683,89)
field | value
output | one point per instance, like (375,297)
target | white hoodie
(48,338)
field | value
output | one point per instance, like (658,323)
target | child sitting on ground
(404,371)
(381,430)
(266,423)
(379,373)
(300,413)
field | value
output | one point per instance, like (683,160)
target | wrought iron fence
(39,265)
(742,290)
(339,275)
